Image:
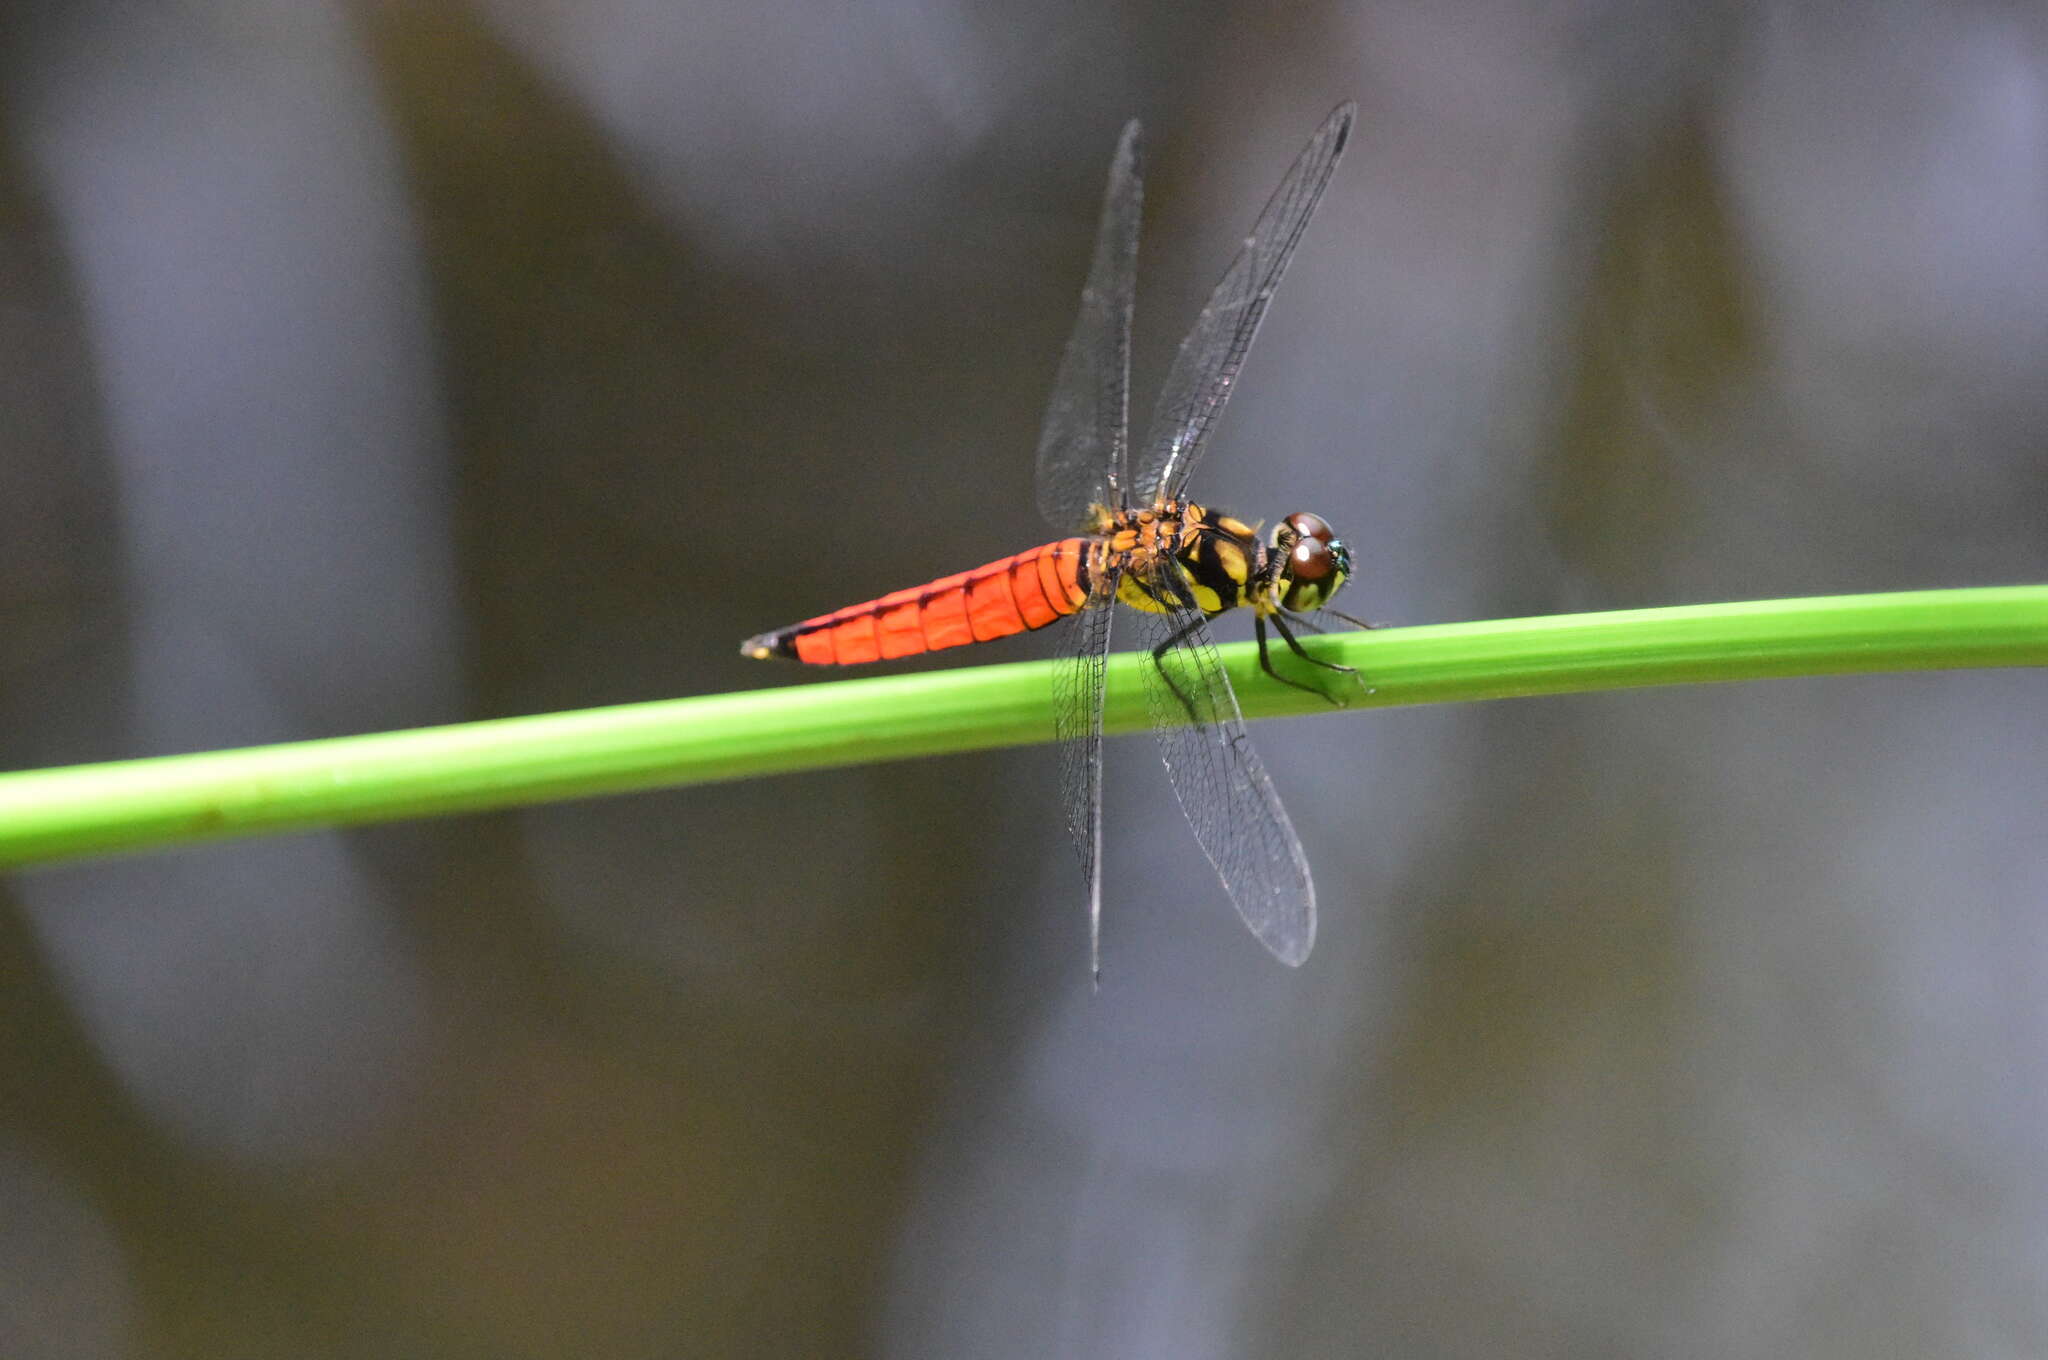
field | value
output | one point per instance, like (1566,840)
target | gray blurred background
(370,364)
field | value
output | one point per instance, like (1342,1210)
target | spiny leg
(1294,645)
(1308,621)
(1266,659)
(1183,595)
(1166,674)
(1313,625)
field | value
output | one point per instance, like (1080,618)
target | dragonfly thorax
(1222,560)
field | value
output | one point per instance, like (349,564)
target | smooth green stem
(49,815)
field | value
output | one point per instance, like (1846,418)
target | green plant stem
(58,814)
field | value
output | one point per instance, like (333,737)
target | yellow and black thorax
(1220,557)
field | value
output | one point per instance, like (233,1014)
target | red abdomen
(1017,594)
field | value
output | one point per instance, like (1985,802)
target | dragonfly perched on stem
(1134,537)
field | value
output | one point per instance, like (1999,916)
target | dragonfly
(1133,537)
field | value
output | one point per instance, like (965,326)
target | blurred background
(371,365)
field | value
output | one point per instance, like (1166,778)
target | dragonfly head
(1311,562)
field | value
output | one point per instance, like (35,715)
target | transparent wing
(1081,449)
(1204,371)
(1077,722)
(1222,785)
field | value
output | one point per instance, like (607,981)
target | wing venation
(1205,369)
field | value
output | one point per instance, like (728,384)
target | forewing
(1082,447)
(1077,722)
(1220,781)
(1205,370)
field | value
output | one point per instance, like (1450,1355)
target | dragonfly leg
(1308,621)
(1266,657)
(1294,645)
(1166,673)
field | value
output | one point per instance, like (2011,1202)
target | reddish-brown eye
(1312,559)
(1311,526)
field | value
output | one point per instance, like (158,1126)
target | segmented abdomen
(1028,590)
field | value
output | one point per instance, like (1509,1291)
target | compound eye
(1312,561)
(1311,526)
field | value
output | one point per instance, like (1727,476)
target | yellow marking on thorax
(1236,528)
(1230,555)
(1128,591)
